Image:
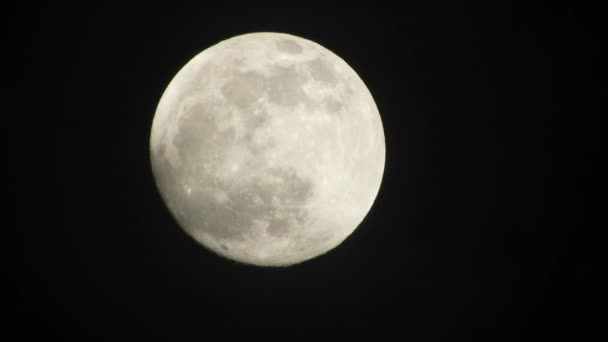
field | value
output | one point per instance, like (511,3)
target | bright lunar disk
(268,149)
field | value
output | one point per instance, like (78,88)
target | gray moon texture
(268,149)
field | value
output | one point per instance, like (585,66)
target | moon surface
(268,149)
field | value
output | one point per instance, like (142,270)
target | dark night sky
(480,228)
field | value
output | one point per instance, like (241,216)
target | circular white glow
(268,149)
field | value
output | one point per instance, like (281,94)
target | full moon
(268,149)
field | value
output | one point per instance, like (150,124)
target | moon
(268,149)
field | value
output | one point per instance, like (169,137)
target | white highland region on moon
(268,149)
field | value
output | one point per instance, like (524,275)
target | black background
(481,228)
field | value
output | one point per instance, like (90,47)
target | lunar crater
(289,46)
(322,71)
(244,89)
